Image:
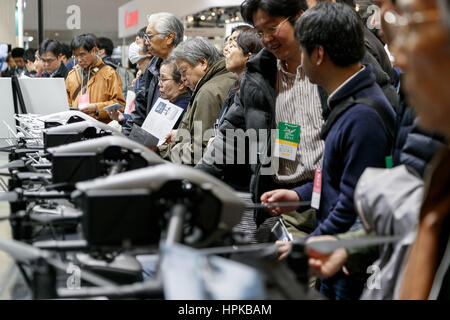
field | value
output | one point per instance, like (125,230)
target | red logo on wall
(131,19)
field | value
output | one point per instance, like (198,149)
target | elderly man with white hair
(164,32)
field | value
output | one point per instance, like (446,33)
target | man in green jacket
(203,70)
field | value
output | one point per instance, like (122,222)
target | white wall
(7,22)
(177,7)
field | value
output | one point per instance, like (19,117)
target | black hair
(29,55)
(249,41)
(17,52)
(107,44)
(51,45)
(141,32)
(337,28)
(176,75)
(66,50)
(239,28)
(277,8)
(87,41)
(350,3)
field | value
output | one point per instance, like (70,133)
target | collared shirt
(343,84)
(298,102)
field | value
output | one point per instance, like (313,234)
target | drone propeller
(9,196)
(25,253)
(277,204)
(325,247)
(13,164)
(329,246)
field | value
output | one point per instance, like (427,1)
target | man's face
(191,75)
(278,35)
(51,62)
(426,63)
(84,57)
(30,66)
(11,63)
(20,63)
(157,43)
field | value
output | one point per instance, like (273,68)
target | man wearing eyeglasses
(275,94)
(164,32)
(52,57)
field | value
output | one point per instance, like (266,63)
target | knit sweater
(357,140)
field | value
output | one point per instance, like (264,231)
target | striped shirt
(298,102)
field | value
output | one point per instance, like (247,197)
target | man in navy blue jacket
(356,134)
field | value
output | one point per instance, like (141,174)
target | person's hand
(210,141)
(170,138)
(116,115)
(284,248)
(280,195)
(325,265)
(153,148)
(89,108)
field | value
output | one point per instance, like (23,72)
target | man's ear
(204,64)
(298,15)
(247,56)
(170,38)
(319,55)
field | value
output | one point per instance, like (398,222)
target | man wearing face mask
(138,55)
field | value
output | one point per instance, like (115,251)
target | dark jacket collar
(183,96)
(154,66)
(363,79)
(61,72)
(264,63)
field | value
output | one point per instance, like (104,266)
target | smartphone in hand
(112,107)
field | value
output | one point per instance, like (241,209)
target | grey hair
(168,23)
(176,75)
(194,50)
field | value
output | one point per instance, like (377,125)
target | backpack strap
(336,113)
(389,122)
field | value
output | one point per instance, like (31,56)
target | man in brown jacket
(92,85)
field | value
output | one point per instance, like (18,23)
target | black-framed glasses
(48,61)
(148,36)
(164,80)
(271,31)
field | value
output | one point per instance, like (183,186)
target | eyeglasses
(163,80)
(405,21)
(271,31)
(48,61)
(148,36)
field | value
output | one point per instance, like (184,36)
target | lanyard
(82,81)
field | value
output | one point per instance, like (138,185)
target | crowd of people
(317,101)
